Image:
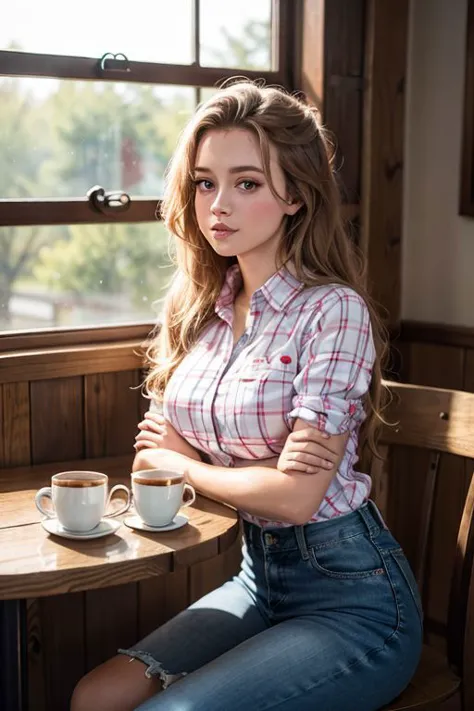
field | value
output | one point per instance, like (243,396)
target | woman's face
(235,208)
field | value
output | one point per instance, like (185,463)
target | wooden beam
(382,157)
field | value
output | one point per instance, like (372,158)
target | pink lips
(221,230)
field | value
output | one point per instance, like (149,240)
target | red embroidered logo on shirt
(285,359)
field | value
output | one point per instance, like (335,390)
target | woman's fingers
(299,467)
(312,449)
(155,417)
(311,435)
(151,425)
(309,460)
(144,444)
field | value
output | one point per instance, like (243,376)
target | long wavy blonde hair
(314,239)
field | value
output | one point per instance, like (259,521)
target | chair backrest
(440,423)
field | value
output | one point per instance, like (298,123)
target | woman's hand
(156,458)
(156,432)
(308,451)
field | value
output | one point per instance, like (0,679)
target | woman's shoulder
(322,298)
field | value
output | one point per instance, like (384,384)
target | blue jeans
(322,617)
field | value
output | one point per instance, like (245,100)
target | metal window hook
(108,202)
(120,59)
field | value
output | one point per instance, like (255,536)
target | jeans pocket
(347,559)
(404,567)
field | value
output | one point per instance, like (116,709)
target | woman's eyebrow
(235,169)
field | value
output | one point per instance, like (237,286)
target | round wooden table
(34,564)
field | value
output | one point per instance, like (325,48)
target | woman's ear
(292,206)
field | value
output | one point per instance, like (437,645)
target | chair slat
(426,515)
(432,418)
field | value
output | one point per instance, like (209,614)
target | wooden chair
(436,421)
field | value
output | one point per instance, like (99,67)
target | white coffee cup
(80,499)
(159,494)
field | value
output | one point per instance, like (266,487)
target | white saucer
(104,528)
(136,522)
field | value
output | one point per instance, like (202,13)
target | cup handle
(125,507)
(192,494)
(45,492)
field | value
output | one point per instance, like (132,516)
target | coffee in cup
(159,494)
(80,499)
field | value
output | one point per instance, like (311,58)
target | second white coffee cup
(159,494)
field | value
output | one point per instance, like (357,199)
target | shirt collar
(278,290)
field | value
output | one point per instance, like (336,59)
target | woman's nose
(220,206)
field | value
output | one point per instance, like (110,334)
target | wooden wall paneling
(382,152)
(408,468)
(56,624)
(206,576)
(312,60)
(112,411)
(232,559)
(111,621)
(36,661)
(15,425)
(449,501)
(160,599)
(62,362)
(62,649)
(57,420)
(344,37)
(436,365)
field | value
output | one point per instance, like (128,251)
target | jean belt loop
(366,515)
(301,541)
(376,513)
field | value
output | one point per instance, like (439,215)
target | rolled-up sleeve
(336,365)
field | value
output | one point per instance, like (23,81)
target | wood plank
(448,506)
(110,622)
(380,475)
(382,158)
(111,403)
(344,31)
(112,412)
(60,362)
(16,424)
(160,598)
(206,576)
(312,60)
(63,649)
(437,366)
(431,418)
(36,661)
(57,419)
(437,334)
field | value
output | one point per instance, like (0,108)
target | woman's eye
(249,185)
(204,184)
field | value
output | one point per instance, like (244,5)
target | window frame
(79,210)
(286,20)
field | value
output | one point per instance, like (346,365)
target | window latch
(108,202)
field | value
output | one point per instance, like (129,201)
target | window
(98,99)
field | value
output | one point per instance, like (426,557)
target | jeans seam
(358,660)
(392,586)
(336,541)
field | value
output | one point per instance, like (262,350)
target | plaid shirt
(307,353)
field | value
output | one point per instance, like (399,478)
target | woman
(270,344)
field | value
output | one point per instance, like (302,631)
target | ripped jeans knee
(153,668)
